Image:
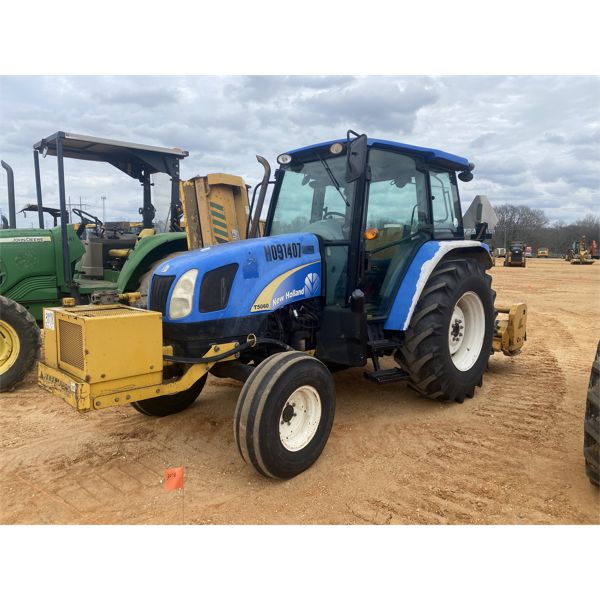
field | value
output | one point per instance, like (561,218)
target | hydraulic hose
(217,357)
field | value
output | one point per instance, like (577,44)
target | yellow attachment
(119,252)
(84,363)
(68,302)
(9,346)
(215,209)
(510,332)
(129,297)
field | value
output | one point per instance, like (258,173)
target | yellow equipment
(581,254)
(215,209)
(515,255)
(510,332)
(543,253)
(84,366)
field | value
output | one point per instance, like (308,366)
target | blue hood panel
(272,272)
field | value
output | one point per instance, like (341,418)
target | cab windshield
(309,200)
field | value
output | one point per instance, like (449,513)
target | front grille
(215,288)
(159,292)
(70,336)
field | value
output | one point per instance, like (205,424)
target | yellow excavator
(580,254)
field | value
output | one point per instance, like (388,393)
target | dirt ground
(512,454)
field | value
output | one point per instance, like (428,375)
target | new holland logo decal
(288,287)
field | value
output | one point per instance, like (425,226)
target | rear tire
(591,428)
(163,406)
(20,342)
(449,340)
(284,414)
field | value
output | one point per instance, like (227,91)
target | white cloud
(534,140)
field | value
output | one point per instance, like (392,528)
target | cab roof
(432,156)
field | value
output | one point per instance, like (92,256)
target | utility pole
(103,198)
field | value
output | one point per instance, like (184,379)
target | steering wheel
(83,215)
(329,214)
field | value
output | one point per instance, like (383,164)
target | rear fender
(147,251)
(421,267)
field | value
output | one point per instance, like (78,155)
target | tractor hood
(237,279)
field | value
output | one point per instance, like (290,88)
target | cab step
(379,346)
(386,375)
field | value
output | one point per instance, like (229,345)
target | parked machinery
(515,255)
(580,254)
(41,267)
(364,256)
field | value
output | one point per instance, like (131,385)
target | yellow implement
(510,332)
(215,208)
(86,365)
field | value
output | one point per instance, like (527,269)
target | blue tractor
(363,256)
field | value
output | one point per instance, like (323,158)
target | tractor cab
(373,203)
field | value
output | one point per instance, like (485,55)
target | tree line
(532,226)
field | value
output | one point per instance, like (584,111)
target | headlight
(181,297)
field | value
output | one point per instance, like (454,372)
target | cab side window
(396,212)
(445,203)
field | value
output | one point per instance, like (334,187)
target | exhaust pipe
(10,178)
(264,184)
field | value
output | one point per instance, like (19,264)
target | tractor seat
(119,252)
(124,252)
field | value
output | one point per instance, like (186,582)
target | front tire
(284,414)
(449,340)
(163,406)
(20,342)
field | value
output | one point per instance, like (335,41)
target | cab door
(396,224)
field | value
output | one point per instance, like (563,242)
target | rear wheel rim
(9,346)
(300,418)
(466,331)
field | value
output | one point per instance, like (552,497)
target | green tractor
(40,267)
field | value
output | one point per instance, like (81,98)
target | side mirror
(356,158)
(467,175)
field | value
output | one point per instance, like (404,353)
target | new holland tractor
(42,267)
(363,257)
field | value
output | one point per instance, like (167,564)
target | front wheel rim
(9,346)
(466,331)
(300,418)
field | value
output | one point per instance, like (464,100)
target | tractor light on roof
(336,148)
(284,159)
